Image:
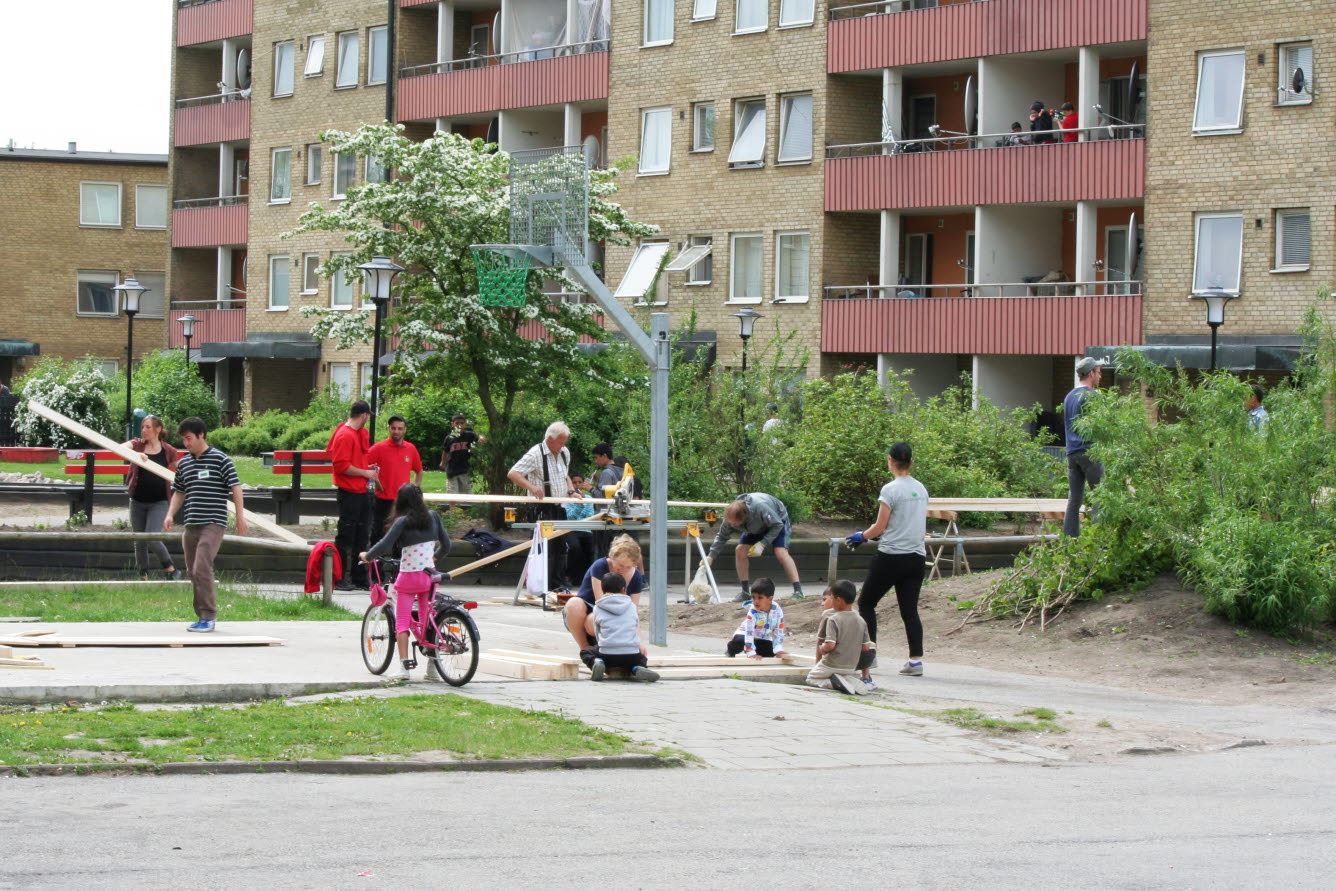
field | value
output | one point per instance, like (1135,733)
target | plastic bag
(699,589)
(535,570)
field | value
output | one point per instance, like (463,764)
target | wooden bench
(85,462)
(287,502)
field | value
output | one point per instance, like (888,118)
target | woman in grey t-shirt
(902,524)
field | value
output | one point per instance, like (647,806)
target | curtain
(655,136)
(278,282)
(746,266)
(280,188)
(795,143)
(534,25)
(795,12)
(349,46)
(703,9)
(1219,92)
(1219,244)
(749,133)
(658,21)
(794,254)
(283,68)
(752,15)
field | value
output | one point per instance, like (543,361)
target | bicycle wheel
(378,638)
(455,650)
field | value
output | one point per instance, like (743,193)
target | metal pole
(658,477)
(188,351)
(129,374)
(1214,330)
(375,369)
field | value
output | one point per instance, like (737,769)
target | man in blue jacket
(764,522)
(1081,468)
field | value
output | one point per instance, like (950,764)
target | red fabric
(1069,123)
(347,448)
(397,464)
(313,565)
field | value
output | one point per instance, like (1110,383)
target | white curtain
(703,9)
(1219,92)
(350,45)
(280,188)
(752,15)
(795,143)
(748,133)
(746,266)
(658,21)
(794,254)
(1219,244)
(534,25)
(592,22)
(795,12)
(284,54)
(655,140)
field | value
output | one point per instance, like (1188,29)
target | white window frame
(754,29)
(785,114)
(310,273)
(697,145)
(368,163)
(160,296)
(371,73)
(1113,263)
(640,272)
(1237,126)
(315,159)
(781,297)
(108,368)
(108,277)
(275,181)
(704,10)
(315,56)
(667,146)
(660,40)
(805,18)
(705,266)
(739,106)
(1286,68)
(83,201)
(345,389)
(340,280)
(733,266)
(140,189)
(347,40)
(352,174)
(364,370)
(285,62)
(1281,215)
(287,282)
(1196,247)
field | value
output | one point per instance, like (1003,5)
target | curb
(204,694)
(341,768)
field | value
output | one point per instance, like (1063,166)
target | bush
(172,389)
(428,417)
(76,389)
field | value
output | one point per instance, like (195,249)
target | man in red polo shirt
(347,451)
(395,458)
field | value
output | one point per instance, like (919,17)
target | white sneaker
(396,671)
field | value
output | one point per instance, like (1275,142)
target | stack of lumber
(8,659)
(530,666)
(50,638)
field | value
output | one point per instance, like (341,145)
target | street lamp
(188,331)
(378,275)
(746,324)
(1215,299)
(746,327)
(129,292)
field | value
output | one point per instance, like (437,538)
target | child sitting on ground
(762,631)
(616,626)
(842,641)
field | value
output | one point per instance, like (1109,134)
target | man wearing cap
(1081,468)
(1041,121)
(456,451)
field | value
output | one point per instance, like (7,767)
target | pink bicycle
(447,635)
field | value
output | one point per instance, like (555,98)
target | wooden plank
(146,463)
(524,670)
(499,555)
(999,505)
(534,657)
(193,640)
(529,499)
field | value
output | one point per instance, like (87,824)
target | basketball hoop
(503,277)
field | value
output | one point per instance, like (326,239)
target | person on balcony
(1017,136)
(1041,121)
(1068,122)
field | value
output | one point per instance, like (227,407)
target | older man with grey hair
(545,473)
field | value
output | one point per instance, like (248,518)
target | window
(744,284)
(310,273)
(349,48)
(284,56)
(658,22)
(702,273)
(792,276)
(375,170)
(752,16)
(656,133)
(341,289)
(314,157)
(100,204)
(1296,57)
(748,134)
(643,270)
(917,260)
(702,128)
(366,379)
(153,300)
(278,283)
(1219,251)
(702,10)
(96,297)
(107,367)
(377,63)
(796,12)
(341,378)
(1121,281)
(1293,238)
(280,176)
(315,56)
(345,168)
(795,128)
(150,207)
(1219,92)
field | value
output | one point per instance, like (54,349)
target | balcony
(224,117)
(546,76)
(209,222)
(983,323)
(211,325)
(960,171)
(894,33)
(203,21)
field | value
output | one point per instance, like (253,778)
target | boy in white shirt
(761,633)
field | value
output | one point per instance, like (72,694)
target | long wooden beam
(529,499)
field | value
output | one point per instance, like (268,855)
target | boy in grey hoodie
(616,625)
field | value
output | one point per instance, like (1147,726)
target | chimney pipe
(74,148)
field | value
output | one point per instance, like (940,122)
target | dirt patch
(1157,640)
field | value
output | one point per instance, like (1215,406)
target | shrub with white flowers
(76,389)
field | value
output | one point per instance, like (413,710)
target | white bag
(535,570)
(699,589)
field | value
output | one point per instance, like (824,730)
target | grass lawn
(159,603)
(251,470)
(277,731)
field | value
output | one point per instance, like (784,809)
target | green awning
(10,346)
(1229,357)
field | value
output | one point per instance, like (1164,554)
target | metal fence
(528,55)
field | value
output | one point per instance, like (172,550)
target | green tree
(171,388)
(76,389)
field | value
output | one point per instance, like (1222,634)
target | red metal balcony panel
(982,28)
(212,325)
(213,21)
(1053,326)
(534,330)
(407,3)
(215,122)
(1076,171)
(209,226)
(495,87)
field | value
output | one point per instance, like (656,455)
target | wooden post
(90,476)
(327,577)
(297,478)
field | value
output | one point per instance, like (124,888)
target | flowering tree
(76,389)
(448,193)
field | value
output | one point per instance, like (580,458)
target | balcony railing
(223,117)
(958,141)
(985,291)
(206,21)
(211,326)
(224,201)
(193,305)
(210,222)
(215,98)
(182,4)
(889,6)
(529,55)
(550,76)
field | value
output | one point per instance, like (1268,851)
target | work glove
(855,540)
(756,550)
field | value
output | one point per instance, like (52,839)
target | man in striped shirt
(204,479)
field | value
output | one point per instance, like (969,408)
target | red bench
(85,462)
(287,508)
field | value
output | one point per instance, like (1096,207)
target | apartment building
(77,223)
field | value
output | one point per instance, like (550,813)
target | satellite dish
(591,151)
(1298,83)
(494,131)
(496,33)
(1131,250)
(971,107)
(243,69)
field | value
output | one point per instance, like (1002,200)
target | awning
(644,266)
(689,257)
(195,356)
(12,346)
(1229,357)
(264,349)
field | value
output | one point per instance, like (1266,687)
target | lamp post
(188,331)
(129,292)
(1215,299)
(378,276)
(746,327)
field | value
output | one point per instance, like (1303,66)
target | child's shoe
(597,670)
(643,674)
(397,671)
(869,684)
